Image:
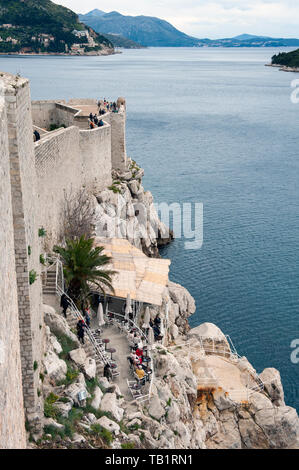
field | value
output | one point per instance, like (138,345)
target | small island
(42,27)
(287,61)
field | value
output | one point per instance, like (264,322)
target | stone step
(49,291)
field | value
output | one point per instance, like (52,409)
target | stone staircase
(49,283)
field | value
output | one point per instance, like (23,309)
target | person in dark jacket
(36,136)
(80,330)
(64,303)
(107,372)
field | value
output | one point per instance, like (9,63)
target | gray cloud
(208,18)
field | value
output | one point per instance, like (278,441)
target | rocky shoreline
(283,68)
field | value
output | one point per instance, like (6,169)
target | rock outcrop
(126,210)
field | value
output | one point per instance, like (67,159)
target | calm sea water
(212,126)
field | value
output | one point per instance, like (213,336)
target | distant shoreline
(284,68)
(55,54)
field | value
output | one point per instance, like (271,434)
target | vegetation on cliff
(41,26)
(288,59)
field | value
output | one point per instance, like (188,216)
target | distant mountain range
(154,32)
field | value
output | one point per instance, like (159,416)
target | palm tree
(83,267)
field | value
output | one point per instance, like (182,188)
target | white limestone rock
(78,356)
(173,414)
(78,438)
(110,403)
(98,395)
(108,424)
(155,408)
(57,324)
(273,386)
(52,422)
(90,368)
(73,389)
(56,368)
(63,408)
(180,296)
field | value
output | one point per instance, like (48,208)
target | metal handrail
(60,291)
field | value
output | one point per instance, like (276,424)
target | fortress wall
(12,421)
(66,115)
(95,147)
(44,113)
(25,212)
(59,169)
(118,140)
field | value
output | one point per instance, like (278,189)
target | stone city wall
(26,240)
(12,421)
(66,161)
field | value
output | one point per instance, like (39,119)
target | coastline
(63,54)
(283,68)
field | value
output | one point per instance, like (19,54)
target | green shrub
(67,345)
(32,276)
(71,375)
(29,250)
(114,189)
(42,377)
(42,232)
(35,365)
(128,445)
(102,432)
(42,259)
(49,409)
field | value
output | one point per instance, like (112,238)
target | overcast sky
(208,18)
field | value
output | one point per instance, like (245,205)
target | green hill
(41,26)
(289,59)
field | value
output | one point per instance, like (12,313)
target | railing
(60,291)
(231,355)
(59,283)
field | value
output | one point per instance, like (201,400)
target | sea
(211,126)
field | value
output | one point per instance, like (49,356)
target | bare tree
(78,215)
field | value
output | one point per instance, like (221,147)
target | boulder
(78,356)
(155,408)
(108,424)
(73,389)
(280,425)
(179,295)
(78,439)
(273,386)
(52,422)
(109,403)
(173,414)
(56,368)
(57,324)
(98,395)
(90,368)
(210,336)
(63,408)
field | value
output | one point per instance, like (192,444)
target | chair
(135,393)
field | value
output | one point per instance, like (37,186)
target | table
(146,360)
(111,351)
(106,341)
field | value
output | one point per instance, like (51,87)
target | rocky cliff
(203,395)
